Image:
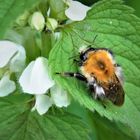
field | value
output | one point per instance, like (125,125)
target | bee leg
(77,75)
(102,102)
(79,63)
(103,105)
(97,93)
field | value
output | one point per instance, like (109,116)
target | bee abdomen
(115,94)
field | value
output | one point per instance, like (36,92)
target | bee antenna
(94,38)
(57,73)
(92,43)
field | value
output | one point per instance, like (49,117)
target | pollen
(100,65)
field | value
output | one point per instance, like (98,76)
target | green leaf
(106,130)
(117,29)
(135,5)
(10,10)
(100,127)
(17,122)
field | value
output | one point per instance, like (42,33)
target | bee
(101,73)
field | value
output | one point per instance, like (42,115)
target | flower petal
(35,78)
(7,50)
(17,63)
(76,11)
(43,103)
(59,96)
(6,86)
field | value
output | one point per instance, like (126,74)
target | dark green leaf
(106,130)
(17,122)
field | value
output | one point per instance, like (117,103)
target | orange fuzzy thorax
(100,65)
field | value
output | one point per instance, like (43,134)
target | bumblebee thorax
(99,64)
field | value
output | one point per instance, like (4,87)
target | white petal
(6,86)
(59,96)
(35,78)
(43,103)
(76,11)
(18,61)
(7,50)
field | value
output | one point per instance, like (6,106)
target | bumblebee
(101,73)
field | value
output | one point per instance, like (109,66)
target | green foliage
(17,122)
(135,5)
(102,128)
(57,12)
(10,10)
(106,130)
(117,29)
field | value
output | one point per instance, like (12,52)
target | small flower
(36,80)
(59,96)
(37,21)
(12,55)
(42,104)
(6,86)
(52,24)
(12,59)
(76,11)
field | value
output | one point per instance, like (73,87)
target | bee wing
(114,91)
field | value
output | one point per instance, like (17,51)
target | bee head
(84,51)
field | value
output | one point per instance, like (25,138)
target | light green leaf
(10,10)
(117,29)
(17,122)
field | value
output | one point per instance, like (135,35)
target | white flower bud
(37,21)
(52,24)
